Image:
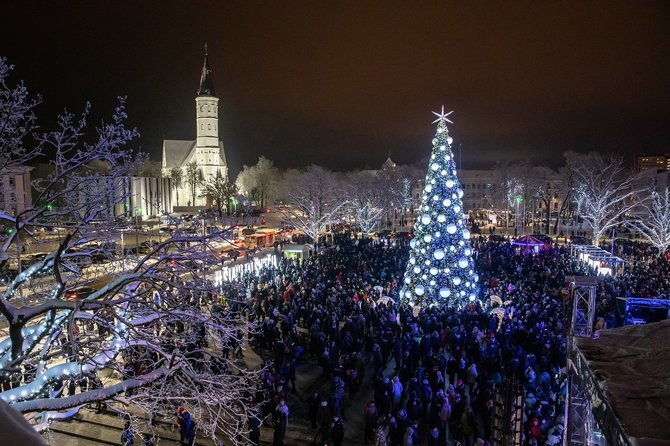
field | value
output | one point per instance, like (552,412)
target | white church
(207,150)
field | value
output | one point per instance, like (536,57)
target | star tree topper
(442,117)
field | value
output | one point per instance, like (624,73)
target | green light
(518,199)
(49,207)
(10,231)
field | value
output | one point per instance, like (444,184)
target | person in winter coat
(397,393)
(281,423)
(313,404)
(324,414)
(186,427)
(408,440)
(371,416)
(127,435)
(469,424)
(382,433)
(535,430)
(337,430)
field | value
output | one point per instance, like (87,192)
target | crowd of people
(428,378)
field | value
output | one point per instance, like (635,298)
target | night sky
(345,84)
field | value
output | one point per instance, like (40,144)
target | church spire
(206,83)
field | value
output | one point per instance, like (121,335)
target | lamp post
(138,211)
(517,200)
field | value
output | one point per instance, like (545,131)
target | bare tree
(194,179)
(148,320)
(219,191)
(604,190)
(651,218)
(314,201)
(257,182)
(366,201)
(177,180)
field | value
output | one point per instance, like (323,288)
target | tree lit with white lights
(440,270)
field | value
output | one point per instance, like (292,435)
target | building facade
(658,162)
(207,151)
(15,190)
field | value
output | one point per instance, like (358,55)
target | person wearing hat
(281,423)
(186,427)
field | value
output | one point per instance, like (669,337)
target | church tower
(206,151)
(207,121)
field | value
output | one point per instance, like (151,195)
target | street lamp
(518,199)
(138,212)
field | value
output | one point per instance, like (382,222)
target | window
(209,126)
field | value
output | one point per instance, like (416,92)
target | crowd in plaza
(431,374)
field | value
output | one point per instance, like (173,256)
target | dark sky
(343,84)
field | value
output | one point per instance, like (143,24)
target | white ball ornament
(432,181)
(447,157)
(429,188)
(446,202)
(462,293)
(436,197)
(427,238)
(444,292)
(461,243)
(423,251)
(457,208)
(441,218)
(425,219)
(466,234)
(434,141)
(476,278)
(460,193)
(451,228)
(435,166)
(467,251)
(472,298)
(438,254)
(408,280)
(408,294)
(419,290)
(453,196)
(427,262)
(443,147)
(450,139)
(450,183)
(412,244)
(452,248)
(440,130)
(416,270)
(444,172)
(424,277)
(412,260)
(456,280)
(433,271)
(463,263)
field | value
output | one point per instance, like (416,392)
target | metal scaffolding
(583,299)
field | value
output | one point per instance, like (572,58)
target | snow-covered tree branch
(149,321)
(604,192)
(651,218)
(314,201)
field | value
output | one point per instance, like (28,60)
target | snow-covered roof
(632,367)
(176,152)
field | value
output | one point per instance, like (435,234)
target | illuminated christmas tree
(440,270)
